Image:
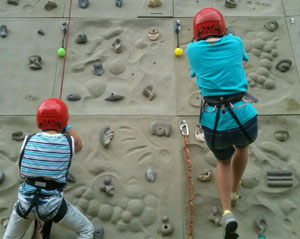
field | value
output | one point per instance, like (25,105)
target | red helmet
(52,114)
(208,22)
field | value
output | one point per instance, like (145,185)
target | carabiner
(64,26)
(184,128)
(178,26)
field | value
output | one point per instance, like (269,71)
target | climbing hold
(18,135)
(81,38)
(83,3)
(98,68)
(166,228)
(154,3)
(41,32)
(106,187)
(4,222)
(3,31)
(50,5)
(281,135)
(13,2)
(260,225)
(199,134)
(153,34)
(113,96)
(230,3)
(206,176)
(61,51)
(119,3)
(149,92)
(215,216)
(2,176)
(35,62)
(178,51)
(150,174)
(117,45)
(161,128)
(73,97)
(284,65)
(98,232)
(106,136)
(271,25)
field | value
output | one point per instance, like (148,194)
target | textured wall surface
(142,128)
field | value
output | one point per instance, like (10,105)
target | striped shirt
(47,156)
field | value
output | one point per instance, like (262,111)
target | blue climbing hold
(119,3)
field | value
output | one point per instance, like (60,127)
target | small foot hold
(199,134)
(117,46)
(3,31)
(81,38)
(230,3)
(206,176)
(83,3)
(41,32)
(35,62)
(18,135)
(13,2)
(260,225)
(98,68)
(119,3)
(98,232)
(50,5)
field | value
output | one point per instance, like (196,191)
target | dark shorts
(225,140)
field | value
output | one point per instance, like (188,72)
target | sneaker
(229,226)
(234,199)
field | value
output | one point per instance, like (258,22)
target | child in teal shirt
(228,119)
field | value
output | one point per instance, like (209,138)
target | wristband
(68,127)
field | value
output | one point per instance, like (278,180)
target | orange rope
(190,188)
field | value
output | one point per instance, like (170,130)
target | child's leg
(17,226)
(239,162)
(76,221)
(223,177)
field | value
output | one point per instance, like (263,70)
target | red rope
(66,49)
(190,189)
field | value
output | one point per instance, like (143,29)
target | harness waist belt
(45,184)
(223,99)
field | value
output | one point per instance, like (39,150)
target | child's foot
(229,225)
(234,199)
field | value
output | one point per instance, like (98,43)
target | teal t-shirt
(219,71)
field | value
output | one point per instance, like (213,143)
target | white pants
(73,220)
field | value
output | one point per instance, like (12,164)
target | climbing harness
(41,183)
(226,102)
(65,28)
(185,132)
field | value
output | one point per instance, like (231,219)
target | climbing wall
(128,93)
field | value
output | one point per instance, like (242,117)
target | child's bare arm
(77,140)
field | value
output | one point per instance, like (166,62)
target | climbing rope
(66,49)
(185,132)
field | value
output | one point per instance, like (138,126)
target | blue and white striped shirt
(47,156)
